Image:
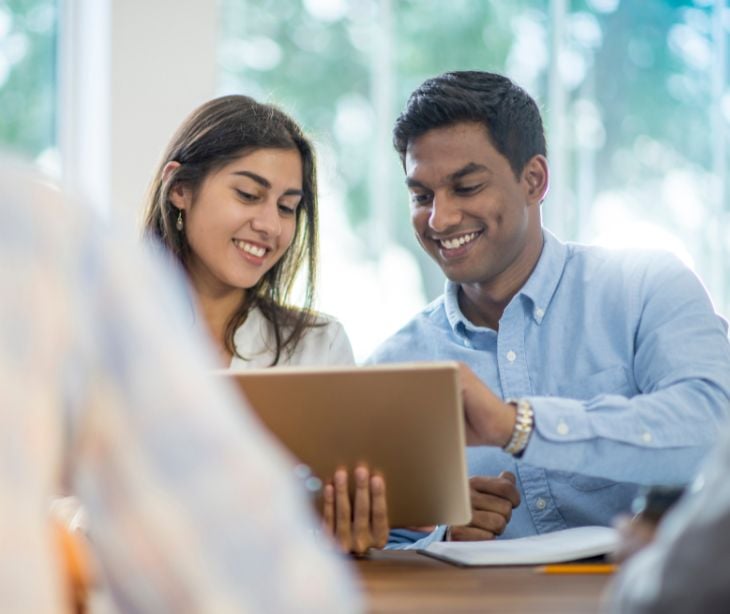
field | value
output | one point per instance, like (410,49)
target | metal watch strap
(524,423)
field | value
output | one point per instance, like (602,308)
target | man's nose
(444,214)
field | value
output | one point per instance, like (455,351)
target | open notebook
(556,547)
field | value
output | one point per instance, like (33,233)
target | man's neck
(484,303)
(483,306)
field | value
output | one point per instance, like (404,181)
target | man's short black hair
(510,116)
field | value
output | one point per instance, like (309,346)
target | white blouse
(322,345)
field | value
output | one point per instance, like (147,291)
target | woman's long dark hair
(214,135)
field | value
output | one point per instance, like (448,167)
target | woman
(234,199)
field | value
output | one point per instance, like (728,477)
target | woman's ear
(178,194)
(536,177)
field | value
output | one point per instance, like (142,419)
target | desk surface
(398,581)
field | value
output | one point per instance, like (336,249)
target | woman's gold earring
(179,224)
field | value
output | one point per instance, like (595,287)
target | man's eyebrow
(470,168)
(414,183)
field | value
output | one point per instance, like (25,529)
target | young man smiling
(585,372)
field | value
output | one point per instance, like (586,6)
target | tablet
(402,420)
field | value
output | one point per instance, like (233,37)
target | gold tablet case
(404,420)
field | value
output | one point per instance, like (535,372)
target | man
(589,371)
(191,507)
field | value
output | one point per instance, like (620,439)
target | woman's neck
(217,310)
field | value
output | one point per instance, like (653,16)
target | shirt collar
(539,287)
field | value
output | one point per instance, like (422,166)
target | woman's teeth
(254,250)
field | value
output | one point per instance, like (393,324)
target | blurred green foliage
(645,88)
(28,33)
(629,65)
(637,81)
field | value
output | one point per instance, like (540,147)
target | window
(28,31)
(634,97)
(643,161)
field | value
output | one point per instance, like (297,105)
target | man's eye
(419,199)
(467,189)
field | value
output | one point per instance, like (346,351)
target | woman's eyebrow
(257,178)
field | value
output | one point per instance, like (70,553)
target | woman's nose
(267,219)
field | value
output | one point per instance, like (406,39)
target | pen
(579,568)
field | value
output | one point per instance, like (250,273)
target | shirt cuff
(556,420)
(403,539)
(560,419)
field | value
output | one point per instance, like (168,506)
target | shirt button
(467,343)
(646,437)
(511,356)
(563,428)
(540,503)
(539,312)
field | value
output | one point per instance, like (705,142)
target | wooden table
(400,581)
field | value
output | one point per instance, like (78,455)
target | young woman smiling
(234,199)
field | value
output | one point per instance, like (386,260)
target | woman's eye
(287,210)
(246,195)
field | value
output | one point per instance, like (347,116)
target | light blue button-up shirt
(624,361)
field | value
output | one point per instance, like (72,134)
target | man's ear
(536,177)
(178,194)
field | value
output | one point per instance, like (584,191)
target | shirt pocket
(587,483)
(614,380)
(579,481)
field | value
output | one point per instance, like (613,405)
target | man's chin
(461,277)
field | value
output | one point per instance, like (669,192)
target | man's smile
(459,240)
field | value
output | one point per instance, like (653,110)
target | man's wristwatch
(524,423)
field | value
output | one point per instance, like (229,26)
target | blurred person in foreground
(685,568)
(191,507)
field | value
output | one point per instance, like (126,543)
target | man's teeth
(458,241)
(259,252)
